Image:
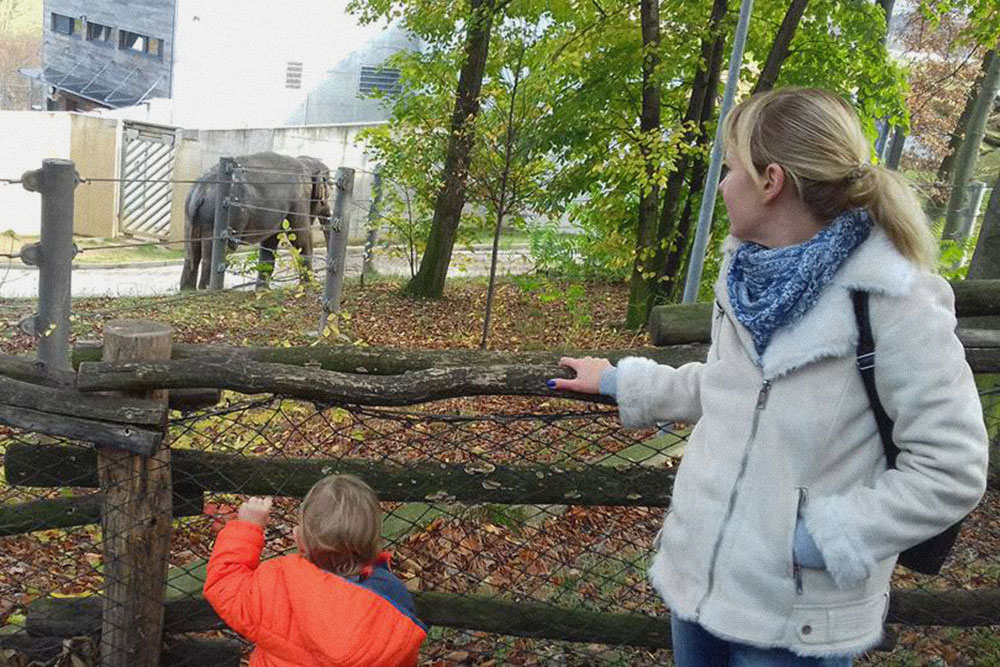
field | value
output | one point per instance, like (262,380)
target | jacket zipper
(758,409)
(796,568)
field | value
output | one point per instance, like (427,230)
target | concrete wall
(335,145)
(231,62)
(92,144)
(29,138)
(336,99)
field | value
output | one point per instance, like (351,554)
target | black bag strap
(866,364)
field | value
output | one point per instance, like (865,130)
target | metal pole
(373,216)
(973,204)
(336,246)
(697,263)
(55,181)
(220,231)
(894,151)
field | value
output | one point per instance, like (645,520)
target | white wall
(231,57)
(28,138)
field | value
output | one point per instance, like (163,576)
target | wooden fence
(142,483)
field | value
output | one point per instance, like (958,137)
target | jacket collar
(828,328)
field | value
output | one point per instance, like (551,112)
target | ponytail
(894,207)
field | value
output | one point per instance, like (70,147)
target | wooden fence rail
(563,483)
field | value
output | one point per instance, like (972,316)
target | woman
(785,522)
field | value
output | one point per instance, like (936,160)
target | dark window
(293,75)
(136,43)
(66,25)
(383,79)
(98,33)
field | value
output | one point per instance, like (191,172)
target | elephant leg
(265,262)
(206,263)
(304,244)
(192,257)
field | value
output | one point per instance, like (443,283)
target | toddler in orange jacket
(335,602)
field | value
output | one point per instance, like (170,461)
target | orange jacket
(298,614)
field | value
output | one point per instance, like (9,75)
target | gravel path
(17,281)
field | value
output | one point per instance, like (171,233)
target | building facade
(106,54)
(209,64)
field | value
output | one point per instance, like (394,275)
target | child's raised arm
(230,585)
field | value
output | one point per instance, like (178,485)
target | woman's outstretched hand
(588,375)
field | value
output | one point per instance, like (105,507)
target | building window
(293,75)
(136,43)
(382,79)
(98,33)
(66,25)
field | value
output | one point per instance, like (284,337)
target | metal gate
(147,167)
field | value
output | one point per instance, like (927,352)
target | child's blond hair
(341,524)
(816,137)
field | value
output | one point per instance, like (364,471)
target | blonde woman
(785,522)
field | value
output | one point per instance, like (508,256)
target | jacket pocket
(836,623)
(803,495)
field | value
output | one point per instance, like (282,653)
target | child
(333,603)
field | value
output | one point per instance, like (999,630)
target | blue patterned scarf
(770,288)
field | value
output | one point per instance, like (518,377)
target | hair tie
(859,172)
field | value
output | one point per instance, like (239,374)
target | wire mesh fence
(522,525)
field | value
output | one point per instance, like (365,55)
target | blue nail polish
(551,384)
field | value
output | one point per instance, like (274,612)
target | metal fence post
(220,232)
(56,181)
(373,217)
(976,191)
(700,244)
(336,248)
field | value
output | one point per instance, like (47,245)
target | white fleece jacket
(792,433)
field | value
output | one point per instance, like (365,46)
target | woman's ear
(774,182)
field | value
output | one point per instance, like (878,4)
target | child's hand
(588,375)
(255,510)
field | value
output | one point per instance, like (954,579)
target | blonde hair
(816,137)
(341,524)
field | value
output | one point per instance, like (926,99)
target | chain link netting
(493,501)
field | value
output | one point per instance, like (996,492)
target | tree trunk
(671,268)
(643,284)
(429,281)
(703,88)
(986,259)
(948,163)
(968,153)
(887,10)
(780,46)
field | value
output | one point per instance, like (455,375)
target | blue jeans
(696,647)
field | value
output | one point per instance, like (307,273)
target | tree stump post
(135,519)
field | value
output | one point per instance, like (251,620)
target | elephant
(268,189)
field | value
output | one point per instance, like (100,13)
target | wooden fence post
(336,245)
(135,519)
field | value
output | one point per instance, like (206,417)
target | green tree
(509,165)
(607,161)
